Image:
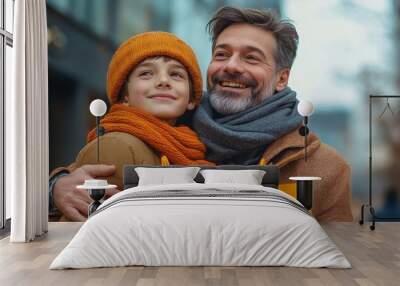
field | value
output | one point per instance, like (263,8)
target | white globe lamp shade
(305,108)
(98,107)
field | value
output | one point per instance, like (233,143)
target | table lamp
(96,188)
(304,184)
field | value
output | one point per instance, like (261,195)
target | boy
(153,79)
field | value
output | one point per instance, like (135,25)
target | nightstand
(304,186)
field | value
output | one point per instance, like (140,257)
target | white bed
(201,225)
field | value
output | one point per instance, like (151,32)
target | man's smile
(232,84)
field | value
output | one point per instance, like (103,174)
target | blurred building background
(348,50)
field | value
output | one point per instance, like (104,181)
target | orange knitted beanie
(146,45)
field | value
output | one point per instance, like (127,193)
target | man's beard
(226,102)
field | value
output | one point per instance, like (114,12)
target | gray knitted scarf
(243,137)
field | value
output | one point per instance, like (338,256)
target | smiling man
(249,114)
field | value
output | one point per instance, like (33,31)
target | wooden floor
(374,255)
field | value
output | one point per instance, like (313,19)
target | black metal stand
(374,218)
(304,132)
(98,137)
(96,195)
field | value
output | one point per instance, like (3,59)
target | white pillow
(164,176)
(248,177)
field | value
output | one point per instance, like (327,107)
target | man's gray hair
(284,31)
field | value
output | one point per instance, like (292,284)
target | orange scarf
(180,144)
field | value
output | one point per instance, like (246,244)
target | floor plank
(374,255)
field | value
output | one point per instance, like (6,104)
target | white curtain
(27,124)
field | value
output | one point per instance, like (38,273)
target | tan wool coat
(332,195)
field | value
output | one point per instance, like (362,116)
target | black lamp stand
(96,194)
(304,132)
(304,188)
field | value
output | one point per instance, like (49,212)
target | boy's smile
(163,96)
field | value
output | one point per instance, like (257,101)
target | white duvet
(185,230)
